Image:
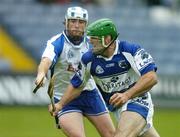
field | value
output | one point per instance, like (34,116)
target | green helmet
(101,28)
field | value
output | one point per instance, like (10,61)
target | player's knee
(107,130)
(69,129)
(71,132)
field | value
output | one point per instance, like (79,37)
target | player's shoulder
(56,39)
(125,46)
(56,43)
(87,57)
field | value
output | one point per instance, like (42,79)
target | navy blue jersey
(117,73)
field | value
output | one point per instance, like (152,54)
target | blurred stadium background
(26,25)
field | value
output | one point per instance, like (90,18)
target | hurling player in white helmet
(62,57)
(124,73)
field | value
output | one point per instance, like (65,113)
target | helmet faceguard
(102,28)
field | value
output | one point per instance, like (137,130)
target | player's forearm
(144,84)
(42,70)
(44,66)
(70,94)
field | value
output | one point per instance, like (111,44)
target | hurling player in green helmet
(118,87)
(124,73)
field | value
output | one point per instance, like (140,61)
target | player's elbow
(153,78)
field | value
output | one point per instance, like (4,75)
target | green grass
(167,122)
(37,122)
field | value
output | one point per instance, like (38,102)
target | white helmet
(76,13)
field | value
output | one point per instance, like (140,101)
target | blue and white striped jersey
(117,73)
(65,57)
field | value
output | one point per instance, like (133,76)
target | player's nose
(76,23)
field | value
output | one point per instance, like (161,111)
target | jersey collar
(74,46)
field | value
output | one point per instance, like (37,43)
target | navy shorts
(87,103)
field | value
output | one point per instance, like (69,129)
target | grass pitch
(37,122)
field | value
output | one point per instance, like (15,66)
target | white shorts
(142,105)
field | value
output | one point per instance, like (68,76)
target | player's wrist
(41,74)
(128,94)
(59,106)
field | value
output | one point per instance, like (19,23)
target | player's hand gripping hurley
(50,93)
(38,86)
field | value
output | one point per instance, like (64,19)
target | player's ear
(64,22)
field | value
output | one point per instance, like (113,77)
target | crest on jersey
(70,54)
(142,59)
(144,55)
(99,70)
(123,64)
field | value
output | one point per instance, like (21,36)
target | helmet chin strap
(100,52)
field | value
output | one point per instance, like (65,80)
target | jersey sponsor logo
(123,64)
(99,70)
(114,83)
(114,79)
(142,59)
(141,101)
(110,65)
(74,69)
(70,68)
